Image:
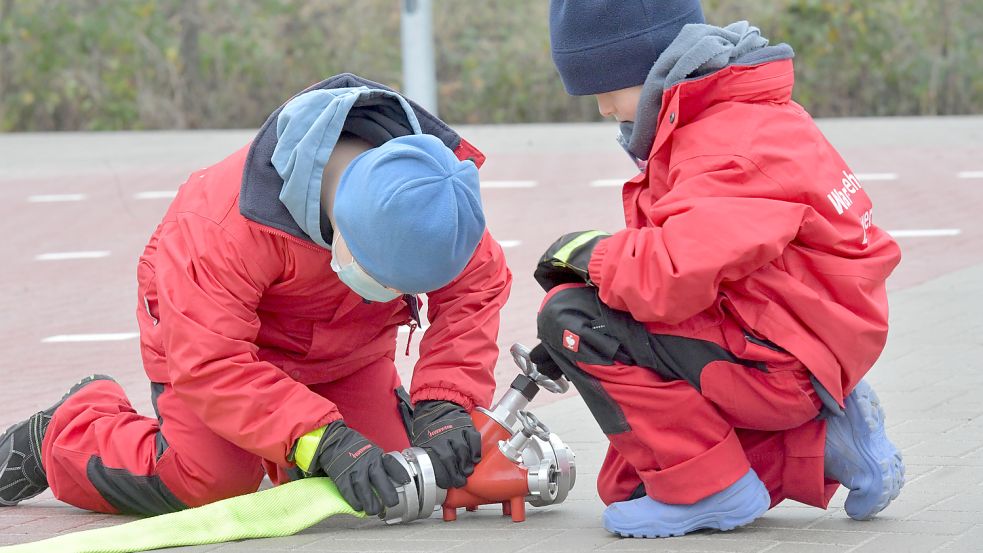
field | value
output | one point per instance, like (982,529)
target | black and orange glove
(446,432)
(365,476)
(567,259)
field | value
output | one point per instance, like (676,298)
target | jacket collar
(697,51)
(769,82)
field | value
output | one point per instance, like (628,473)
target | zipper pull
(409,340)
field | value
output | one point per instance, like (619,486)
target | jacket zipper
(413,303)
(413,326)
(289,237)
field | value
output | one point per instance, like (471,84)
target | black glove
(446,432)
(363,474)
(544,362)
(567,259)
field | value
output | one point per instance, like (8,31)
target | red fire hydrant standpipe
(521,460)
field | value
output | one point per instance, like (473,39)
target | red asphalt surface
(40,299)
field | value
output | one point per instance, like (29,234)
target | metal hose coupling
(421,496)
(522,461)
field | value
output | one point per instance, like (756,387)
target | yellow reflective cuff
(306,448)
(563,254)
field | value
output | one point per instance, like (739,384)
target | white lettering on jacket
(841,197)
(866,221)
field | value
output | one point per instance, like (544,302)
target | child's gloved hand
(544,362)
(366,478)
(446,432)
(567,259)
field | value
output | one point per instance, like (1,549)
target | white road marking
(605,183)
(44,198)
(509,243)
(970,175)
(918,233)
(155,195)
(406,330)
(109,337)
(61,256)
(876,176)
(508,184)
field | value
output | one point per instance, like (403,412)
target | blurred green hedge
(143,64)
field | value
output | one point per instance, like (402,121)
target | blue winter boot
(736,505)
(859,455)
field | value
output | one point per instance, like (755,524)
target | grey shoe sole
(871,461)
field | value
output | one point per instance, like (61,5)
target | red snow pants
(99,454)
(688,408)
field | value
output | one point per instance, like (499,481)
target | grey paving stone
(737,542)
(836,536)
(795,547)
(363,544)
(937,515)
(907,526)
(971,541)
(948,478)
(586,539)
(968,501)
(226,548)
(790,517)
(902,543)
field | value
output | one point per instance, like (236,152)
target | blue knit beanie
(604,45)
(410,212)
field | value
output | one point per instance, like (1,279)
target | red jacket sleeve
(459,350)
(208,294)
(706,231)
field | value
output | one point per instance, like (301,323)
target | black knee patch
(572,323)
(568,328)
(603,335)
(131,494)
(575,326)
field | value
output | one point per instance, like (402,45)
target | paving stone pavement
(927,379)
(927,376)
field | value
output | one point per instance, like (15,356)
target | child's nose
(604,107)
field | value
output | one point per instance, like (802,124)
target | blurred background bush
(160,64)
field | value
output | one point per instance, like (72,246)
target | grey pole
(419,69)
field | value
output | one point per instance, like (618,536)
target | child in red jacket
(268,304)
(719,339)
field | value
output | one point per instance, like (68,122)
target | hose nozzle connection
(529,465)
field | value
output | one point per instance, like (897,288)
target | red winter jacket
(240,316)
(744,208)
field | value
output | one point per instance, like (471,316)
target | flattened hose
(280,511)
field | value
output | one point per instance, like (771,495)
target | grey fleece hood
(697,51)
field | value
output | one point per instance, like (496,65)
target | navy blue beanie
(604,45)
(410,212)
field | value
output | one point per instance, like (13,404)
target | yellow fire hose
(277,512)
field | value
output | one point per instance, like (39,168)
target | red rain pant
(99,454)
(688,408)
